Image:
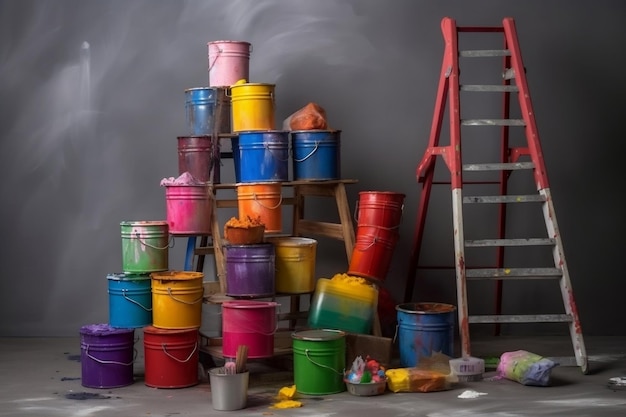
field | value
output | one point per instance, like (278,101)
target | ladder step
(493,122)
(510,242)
(490,88)
(534,318)
(513,273)
(484,53)
(534,198)
(497,166)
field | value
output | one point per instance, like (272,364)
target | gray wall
(84,147)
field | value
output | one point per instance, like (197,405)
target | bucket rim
(176,275)
(194,137)
(295,240)
(446,308)
(315,131)
(143,223)
(315,335)
(260,132)
(262,183)
(251,85)
(200,88)
(123,276)
(104,329)
(228,41)
(162,331)
(248,304)
(382,192)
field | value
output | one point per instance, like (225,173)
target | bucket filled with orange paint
(261,200)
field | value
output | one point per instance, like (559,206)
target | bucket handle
(164,346)
(309,155)
(170,243)
(264,206)
(219,52)
(267,147)
(110,362)
(369,246)
(356,218)
(306,352)
(134,301)
(169,292)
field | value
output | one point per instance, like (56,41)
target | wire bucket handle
(276,157)
(170,243)
(374,241)
(124,291)
(310,153)
(164,347)
(280,201)
(196,301)
(105,362)
(306,352)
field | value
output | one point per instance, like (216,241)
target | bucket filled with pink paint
(250,323)
(107,356)
(189,205)
(229,61)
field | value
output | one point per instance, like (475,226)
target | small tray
(367,389)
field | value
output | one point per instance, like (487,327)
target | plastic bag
(310,117)
(526,368)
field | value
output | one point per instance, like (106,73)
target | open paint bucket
(206,106)
(316,154)
(229,62)
(253,106)
(262,155)
(177,299)
(250,323)
(295,264)
(145,246)
(189,208)
(130,300)
(171,357)
(262,200)
(319,361)
(229,392)
(106,356)
(250,270)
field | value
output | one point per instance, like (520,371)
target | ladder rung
(493,122)
(477,243)
(204,250)
(498,166)
(490,88)
(533,318)
(513,273)
(484,53)
(534,198)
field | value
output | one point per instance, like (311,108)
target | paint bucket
(177,299)
(229,392)
(379,208)
(130,300)
(253,107)
(250,270)
(316,154)
(250,323)
(373,251)
(145,246)
(319,361)
(189,208)
(262,156)
(261,200)
(171,357)
(423,329)
(229,62)
(206,106)
(106,356)
(295,264)
(195,156)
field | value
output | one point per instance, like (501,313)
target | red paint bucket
(189,208)
(195,155)
(372,252)
(379,208)
(171,357)
(106,357)
(250,323)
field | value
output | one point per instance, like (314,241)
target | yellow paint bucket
(252,106)
(177,299)
(295,264)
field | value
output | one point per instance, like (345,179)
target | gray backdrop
(89,129)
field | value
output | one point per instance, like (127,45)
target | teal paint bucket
(319,361)
(130,300)
(423,329)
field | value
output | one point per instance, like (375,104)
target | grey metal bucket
(228,391)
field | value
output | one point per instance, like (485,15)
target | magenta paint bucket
(229,62)
(189,208)
(107,356)
(250,270)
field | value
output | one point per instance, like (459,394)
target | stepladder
(504,231)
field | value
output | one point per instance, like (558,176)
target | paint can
(316,154)
(251,323)
(229,62)
(107,356)
(145,246)
(130,300)
(177,299)
(319,361)
(195,156)
(250,270)
(379,208)
(373,251)
(207,110)
(262,155)
(423,329)
(253,107)
(295,264)
(189,208)
(229,392)
(261,200)
(171,357)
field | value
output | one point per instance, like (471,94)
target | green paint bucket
(319,361)
(145,246)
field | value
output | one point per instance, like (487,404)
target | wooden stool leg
(345,217)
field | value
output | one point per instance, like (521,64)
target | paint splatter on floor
(67,378)
(86,396)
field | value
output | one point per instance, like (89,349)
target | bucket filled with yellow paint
(177,299)
(252,106)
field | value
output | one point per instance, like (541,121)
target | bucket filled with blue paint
(107,356)
(130,300)
(316,154)
(424,329)
(261,156)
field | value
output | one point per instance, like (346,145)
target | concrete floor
(42,377)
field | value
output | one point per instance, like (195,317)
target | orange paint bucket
(262,200)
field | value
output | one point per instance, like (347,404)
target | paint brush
(241,358)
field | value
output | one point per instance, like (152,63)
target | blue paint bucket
(316,154)
(250,270)
(423,329)
(203,106)
(261,156)
(130,300)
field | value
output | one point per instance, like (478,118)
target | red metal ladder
(519,152)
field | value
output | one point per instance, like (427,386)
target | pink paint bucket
(189,208)
(229,62)
(250,323)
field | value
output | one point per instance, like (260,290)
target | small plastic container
(346,304)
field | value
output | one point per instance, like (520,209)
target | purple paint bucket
(250,270)
(107,355)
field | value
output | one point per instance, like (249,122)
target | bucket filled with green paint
(319,361)
(145,246)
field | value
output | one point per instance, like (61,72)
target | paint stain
(75,358)
(67,378)
(86,396)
